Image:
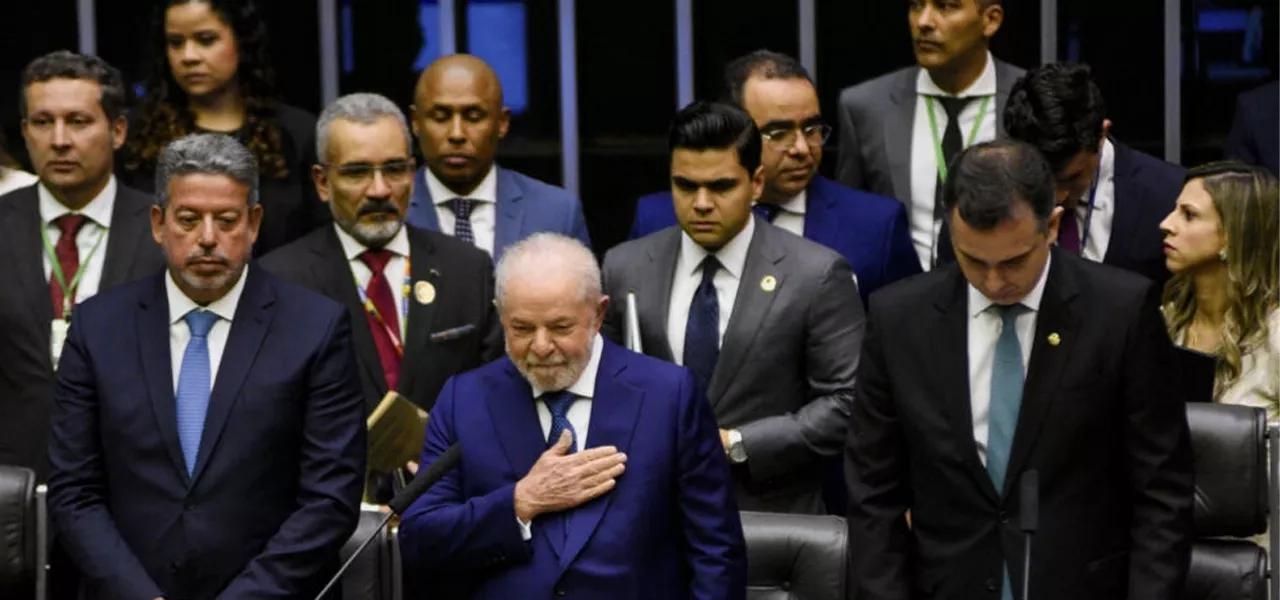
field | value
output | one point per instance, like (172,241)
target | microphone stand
(1029,521)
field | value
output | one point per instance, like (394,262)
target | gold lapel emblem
(768,283)
(424,292)
(1054,339)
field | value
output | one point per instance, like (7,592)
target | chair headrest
(1228,446)
(795,556)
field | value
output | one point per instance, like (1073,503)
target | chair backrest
(18,548)
(795,557)
(375,574)
(1228,445)
(1222,569)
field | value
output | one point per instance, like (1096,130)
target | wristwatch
(737,451)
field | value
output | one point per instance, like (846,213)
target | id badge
(57,338)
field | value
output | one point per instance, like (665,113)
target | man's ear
(1055,219)
(504,122)
(992,18)
(119,132)
(157,221)
(757,183)
(320,177)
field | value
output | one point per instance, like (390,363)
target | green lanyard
(68,290)
(933,128)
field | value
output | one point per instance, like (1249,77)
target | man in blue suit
(869,231)
(587,470)
(208,428)
(459,118)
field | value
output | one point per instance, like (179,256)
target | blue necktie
(194,383)
(1006,400)
(461,208)
(702,330)
(558,403)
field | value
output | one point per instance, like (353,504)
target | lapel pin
(1054,339)
(424,292)
(768,283)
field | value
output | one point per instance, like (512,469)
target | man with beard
(589,471)
(421,301)
(208,435)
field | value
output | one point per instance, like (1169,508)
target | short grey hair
(208,153)
(362,108)
(548,253)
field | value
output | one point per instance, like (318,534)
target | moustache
(208,256)
(383,206)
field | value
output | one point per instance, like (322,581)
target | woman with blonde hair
(1222,244)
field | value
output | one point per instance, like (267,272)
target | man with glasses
(870,231)
(421,302)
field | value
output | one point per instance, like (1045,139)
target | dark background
(626,67)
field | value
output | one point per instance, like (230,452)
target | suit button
(991,585)
(1004,518)
(175,566)
(561,592)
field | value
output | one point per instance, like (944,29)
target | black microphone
(1029,520)
(421,482)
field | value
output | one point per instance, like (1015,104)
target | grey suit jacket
(876,119)
(26,366)
(788,357)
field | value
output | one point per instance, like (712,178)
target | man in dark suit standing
(899,131)
(1020,357)
(208,430)
(869,231)
(1113,197)
(459,118)
(76,232)
(769,322)
(589,471)
(1255,129)
(421,302)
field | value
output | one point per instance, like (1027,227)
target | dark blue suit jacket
(277,482)
(869,231)
(525,206)
(670,528)
(1255,131)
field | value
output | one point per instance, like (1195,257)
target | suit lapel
(897,133)
(819,226)
(157,369)
(1056,316)
(951,332)
(21,228)
(1006,76)
(423,208)
(127,232)
(330,266)
(750,308)
(423,269)
(653,299)
(510,213)
(615,409)
(252,319)
(1125,214)
(510,402)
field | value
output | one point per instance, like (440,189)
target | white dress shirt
(791,213)
(97,225)
(180,333)
(394,271)
(579,414)
(1104,207)
(924,161)
(688,276)
(484,213)
(984,330)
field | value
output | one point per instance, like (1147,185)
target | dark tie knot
(953,105)
(462,207)
(200,322)
(70,224)
(376,260)
(559,402)
(766,211)
(709,266)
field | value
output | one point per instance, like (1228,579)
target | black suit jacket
(1099,422)
(26,367)
(457,331)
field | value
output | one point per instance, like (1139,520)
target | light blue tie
(194,382)
(1006,400)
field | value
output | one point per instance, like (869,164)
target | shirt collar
(585,386)
(979,302)
(795,205)
(1106,173)
(224,307)
(98,209)
(732,255)
(352,249)
(487,191)
(984,85)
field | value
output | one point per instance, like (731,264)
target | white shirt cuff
(526,530)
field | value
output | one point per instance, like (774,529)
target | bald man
(458,117)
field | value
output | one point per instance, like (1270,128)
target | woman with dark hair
(1222,244)
(210,73)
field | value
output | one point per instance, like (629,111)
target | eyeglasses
(394,171)
(815,134)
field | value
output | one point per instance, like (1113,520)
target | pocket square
(452,333)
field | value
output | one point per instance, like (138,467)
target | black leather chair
(19,551)
(1228,444)
(795,557)
(375,574)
